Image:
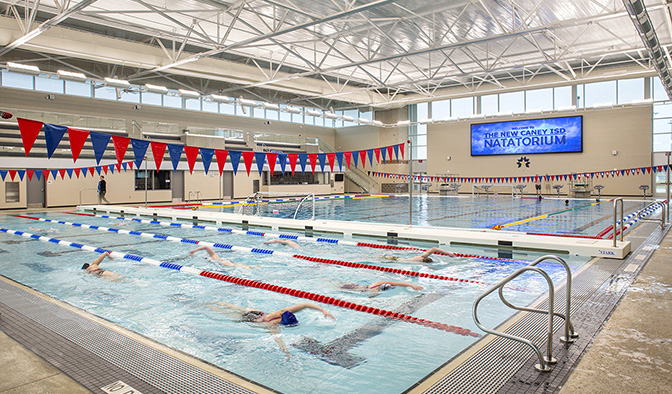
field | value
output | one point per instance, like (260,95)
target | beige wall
(626,130)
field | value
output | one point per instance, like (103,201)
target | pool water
(357,352)
(549,216)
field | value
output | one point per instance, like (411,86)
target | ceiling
(334,53)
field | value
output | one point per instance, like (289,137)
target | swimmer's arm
(211,253)
(402,284)
(280,342)
(436,250)
(230,306)
(298,307)
(100,259)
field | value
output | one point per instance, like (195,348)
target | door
(227,184)
(177,186)
(35,192)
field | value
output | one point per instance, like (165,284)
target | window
(562,97)
(539,100)
(152,98)
(227,109)
(192,104)
(156,180)
(172,101)
(210,106)
(513,102)
(130,97)
(16,80)
(82,89)
(630,90)
(50,85)
(462,108)
(600,93)
(489,104)
(418,133)
(659,92)
(441,109)
(105,92)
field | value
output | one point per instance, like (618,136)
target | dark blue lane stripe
(223,246)
(289,236)
(263,251)
(171,266)
(188,241)
(160,236)
(328,240)
(133,257)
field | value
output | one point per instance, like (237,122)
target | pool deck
(629,354)
(351,229)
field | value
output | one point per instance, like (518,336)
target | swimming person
(375,287)
(94,268)
(283,242)
(282,317)
(212,256)
(424,258)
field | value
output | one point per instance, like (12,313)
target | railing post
(616,201)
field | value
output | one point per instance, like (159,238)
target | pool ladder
(569,336)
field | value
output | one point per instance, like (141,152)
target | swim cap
(288,319)
(85,266)
(386,286)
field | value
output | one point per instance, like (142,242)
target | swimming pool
(585,217)
(359,352)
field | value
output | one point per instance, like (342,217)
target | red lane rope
(393,247)
(605,231)
(567,235)
(385,269)
(340,303)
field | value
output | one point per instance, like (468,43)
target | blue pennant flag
(21,173)
(383,151)
(139,150)
(282,159)
(85,171)
(303,158)
(260,158)
(111,167)
(99,142)
(98,168)
(322,157)
(53,135)
(355,157)
(175,152)
(206,156)
(3,174)
(234,155)
(54,173)
(69,171)
(38,175)
(370,154)
(396,151)
(125,166)
(339,159)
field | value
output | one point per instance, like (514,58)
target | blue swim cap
(385,286)
(288,319)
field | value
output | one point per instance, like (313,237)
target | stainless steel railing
(616,203)
(569,336)
(663,217)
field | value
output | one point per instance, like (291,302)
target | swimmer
(282,317)
(94,268)
(49,230)
(566,202)
(216,259)
(376,287)
(283,242)
(424,258)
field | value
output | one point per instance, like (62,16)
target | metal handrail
(616,201)
(189,196)
(663,219)
(543,361)
(569,329)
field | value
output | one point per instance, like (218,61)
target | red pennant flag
(12,173)
(377,152)
(270,158)
(401,148)
(390,149)
(105,169)
(292,161)
(191,152)
(130,164)
(29,130)
(120,146)
(77,139)
(158,149)
(313,160)
(30,174)
(331,157)
(221,159)
(46,174)
(62,173)
(347,156)
(77,170)
(118,165)
(247,158)
(362,156)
